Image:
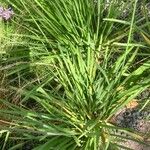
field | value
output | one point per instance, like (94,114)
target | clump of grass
(81,85)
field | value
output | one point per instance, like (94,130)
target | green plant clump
(73,64)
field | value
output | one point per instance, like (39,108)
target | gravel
(133,119)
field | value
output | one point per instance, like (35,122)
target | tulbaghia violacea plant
(6,14)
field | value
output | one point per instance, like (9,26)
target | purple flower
(6,13)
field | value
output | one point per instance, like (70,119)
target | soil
(138,121)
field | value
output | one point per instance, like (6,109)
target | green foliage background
(72,64)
